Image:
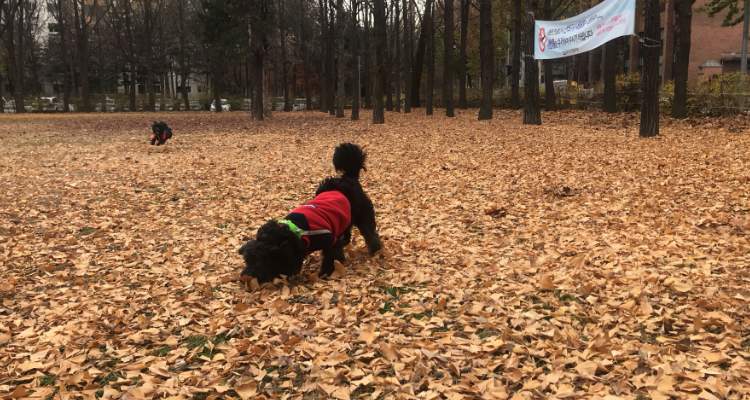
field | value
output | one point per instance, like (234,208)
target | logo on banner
(542,40)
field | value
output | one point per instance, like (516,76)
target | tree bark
(635,46)
(487,56)
(684,14)
(419,59)
(324,32)
(389,66)
(284,60)
(650,75)
(515,74)
(448,58)
(378,115)
(430,57)
(332,61)
(465,8)
(668,53)
(398,69)
(531,112)
(408,56)
(550,102)
(356,84)
(340,87)
(184,67)
(64,50)
(610,73)
(368,82)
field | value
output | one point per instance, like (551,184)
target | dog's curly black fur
(161,132)
(277,251)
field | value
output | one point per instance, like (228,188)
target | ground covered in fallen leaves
(571,260)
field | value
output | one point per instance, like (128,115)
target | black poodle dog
(324,223)
(160,133)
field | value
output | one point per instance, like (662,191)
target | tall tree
(515,72)
(397,51)
(408,50)
(59,11)
(668,34)
(356,82)
(285,64)
(684,16)
(430,57)
(86,16)
(419,57)
(341,26)
(378,115)
(549,85)
(650,75)
(366,46)
(487,56)
(531,113)
(325,42)
(183,59)
(260,21)
(635,46)
(448,57)
(610,72)
(463,62)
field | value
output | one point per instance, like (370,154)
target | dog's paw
(338,270)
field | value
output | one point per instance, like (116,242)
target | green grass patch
(47,380)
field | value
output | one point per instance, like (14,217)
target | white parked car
(224,105)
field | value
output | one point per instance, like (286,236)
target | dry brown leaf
(247,390)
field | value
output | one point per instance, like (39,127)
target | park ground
(570,260)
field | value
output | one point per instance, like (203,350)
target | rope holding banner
(645,41)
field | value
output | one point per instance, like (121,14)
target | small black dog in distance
(324,223)
(161,132)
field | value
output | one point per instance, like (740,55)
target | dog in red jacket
(323,223)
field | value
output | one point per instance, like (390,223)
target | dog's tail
(349,159)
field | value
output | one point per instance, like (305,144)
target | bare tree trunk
(515,95)
(465,8)
(184,67)
(257,103)
(332,61)
(340,91)
(550,102)
(408,56)
(531,112)
(635,58)
(324,37)
(448,58)
(419,59)
(668,53)
(398,69)
(16,54)
(610,72)
(64,50)
(389,67)
(684,13)
(487,58)
(430,32)
(356,84)
(378,115)
(367,48)
(650,76)
(284,59)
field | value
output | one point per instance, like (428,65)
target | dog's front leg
(327,267)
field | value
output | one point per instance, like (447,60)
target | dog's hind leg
(368,228)
(343,241)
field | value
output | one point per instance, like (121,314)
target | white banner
(607,20)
